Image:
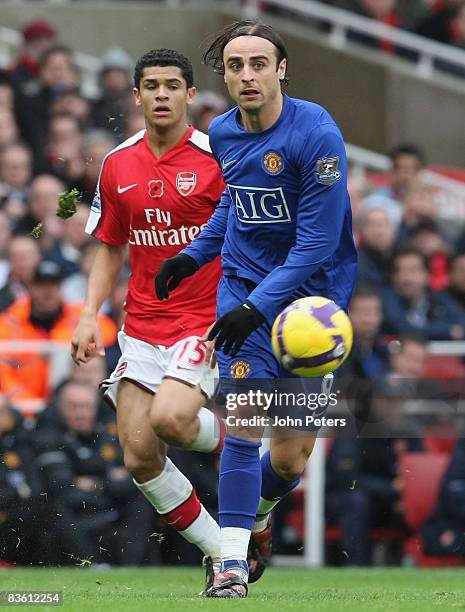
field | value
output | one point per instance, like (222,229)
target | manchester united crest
(186,182)
(273,163)
(240,369)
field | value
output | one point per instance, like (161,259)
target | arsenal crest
(185,182)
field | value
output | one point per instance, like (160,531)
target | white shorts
(148,364)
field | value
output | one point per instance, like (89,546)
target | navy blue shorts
(301,401)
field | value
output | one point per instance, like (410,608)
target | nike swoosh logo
(226,164)
(123,189)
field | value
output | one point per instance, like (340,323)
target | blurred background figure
(68,251)
(57,73)
(43,203)
(22,257)
(411,307)
(41,315)
(407,162)
(111,110)
(443,533)
(97,143)
(206,106)
(15,177)
(21,506)
(38,37)
(101,514)
(363,481)
(376,235)
(439,24)
(63,150)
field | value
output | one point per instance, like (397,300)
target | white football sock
(170,490)
(265,506)
(234,543)
(209,432)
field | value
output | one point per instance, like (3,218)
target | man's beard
(45,320)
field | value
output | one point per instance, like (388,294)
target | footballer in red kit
(158,206)
(155,193)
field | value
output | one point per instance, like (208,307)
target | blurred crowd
(65,496)
(438,20)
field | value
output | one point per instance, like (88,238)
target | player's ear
(191,94)
(136,94)
(282,69)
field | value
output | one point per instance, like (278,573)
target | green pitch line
(166,590)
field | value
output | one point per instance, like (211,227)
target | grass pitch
(166,590)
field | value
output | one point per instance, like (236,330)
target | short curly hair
(164,57)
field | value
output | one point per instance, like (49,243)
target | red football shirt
(158,206)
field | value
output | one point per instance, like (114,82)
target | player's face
(250,71)
(163,96)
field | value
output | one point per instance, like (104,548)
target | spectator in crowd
(439,25)
(63,150)
(410,306)
(135,122)
(71,102)
(408,357)
(22,509)
(102,515)
(363,482)
(5,237)
(382,11)
(43,204)
(97,143)
(74,286)
(206,106)
(369,357)
(427,238)
(23,257)
(15,176)
(9,131)
(38,37)
(67,252)
(407,162)
(444,532)
(376,233)
(7,96)
(111,109)
(418,208)
(92,373)
(456,289)
(57,73)
(41,316)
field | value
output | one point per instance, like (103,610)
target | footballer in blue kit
(283,228)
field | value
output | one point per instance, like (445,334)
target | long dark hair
(213,55)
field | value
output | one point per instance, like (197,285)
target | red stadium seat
(440,438)
(446,367)
(422,474)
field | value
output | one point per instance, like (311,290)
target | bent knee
(170,427)
(290,468)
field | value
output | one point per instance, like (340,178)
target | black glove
(235,327)
(172,272)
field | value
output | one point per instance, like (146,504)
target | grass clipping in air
(68,203)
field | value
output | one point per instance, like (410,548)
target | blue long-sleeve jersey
(284,221)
